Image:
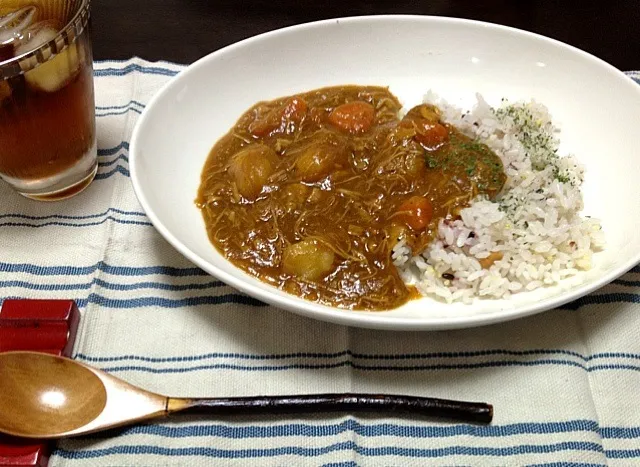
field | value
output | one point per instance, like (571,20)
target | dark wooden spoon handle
(424,406)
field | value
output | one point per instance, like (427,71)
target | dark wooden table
(185,30)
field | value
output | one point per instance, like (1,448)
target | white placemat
(564,383)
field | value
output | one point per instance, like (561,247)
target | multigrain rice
(532,235)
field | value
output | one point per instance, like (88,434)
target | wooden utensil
(45,396)
(48,326)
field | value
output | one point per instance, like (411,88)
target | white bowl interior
(597,107)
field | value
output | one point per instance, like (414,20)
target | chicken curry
(310,193)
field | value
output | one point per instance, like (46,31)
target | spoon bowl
(55,404)
(45,396)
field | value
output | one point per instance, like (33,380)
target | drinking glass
(47,109)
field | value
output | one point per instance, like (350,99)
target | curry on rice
(310,193)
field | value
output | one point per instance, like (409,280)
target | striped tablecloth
(565,384)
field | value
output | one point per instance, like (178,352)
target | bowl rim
(365,319)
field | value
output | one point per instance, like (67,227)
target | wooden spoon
(44,396)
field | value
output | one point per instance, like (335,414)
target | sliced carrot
(431,135)
(264,126)
(416,212)
(281,119)
(353,117)
(295,109)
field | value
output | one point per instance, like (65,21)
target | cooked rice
(533,232)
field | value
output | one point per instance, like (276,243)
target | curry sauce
(310,193)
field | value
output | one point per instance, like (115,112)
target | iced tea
(47,111)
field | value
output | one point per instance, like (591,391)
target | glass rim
(73,29)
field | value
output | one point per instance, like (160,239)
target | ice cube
(54,73)
(34,36)
(13,25)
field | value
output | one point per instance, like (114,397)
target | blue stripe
(101,266)
(360,367)
(620,432)
(129,104)
(358,356)
(62,216)
(69,224)
(579,446)
(159,286)
(365,430)
(111,286)
(118,169)
(121,157)
(614,367)
(601,299)
(47,287)
(614,355)
(627,283)
(132,68)
(622,453)
(162,302)
(333,355)
(118,112)
(114,150)
(566,464)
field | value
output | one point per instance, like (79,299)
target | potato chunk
(295,195)
(307,259)
(251,168)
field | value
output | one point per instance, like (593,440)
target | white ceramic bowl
(597,107)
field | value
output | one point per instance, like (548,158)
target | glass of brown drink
(47,110)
